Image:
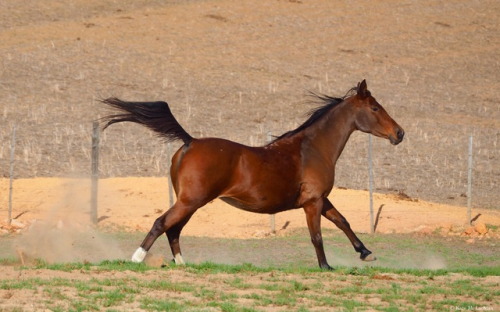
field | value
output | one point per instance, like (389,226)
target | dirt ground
(132,204)
(314,292)
(51,214)
(189,290)
(52,217)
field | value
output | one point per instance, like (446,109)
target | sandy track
(132,204)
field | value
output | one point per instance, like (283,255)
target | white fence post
(272,217)
(370,183)
(170,187)
(95,172)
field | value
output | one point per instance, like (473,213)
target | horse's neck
(329,136)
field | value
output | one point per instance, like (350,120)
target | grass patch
(119,285)
(246,288)
(215,268)
(107,265)
(230,307)
(167,285)
(162,305)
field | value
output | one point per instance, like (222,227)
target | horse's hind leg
(173,235)
(175,217)
(333,215)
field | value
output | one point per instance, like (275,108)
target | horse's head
(372,118)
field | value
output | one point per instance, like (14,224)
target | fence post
(469,183)
(11,172)
(170,188)
(272,217)
(370,186)
(95,172)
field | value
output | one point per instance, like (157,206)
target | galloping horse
(296,170)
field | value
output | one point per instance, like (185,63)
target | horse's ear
(363,89)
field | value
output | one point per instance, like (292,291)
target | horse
(295,170)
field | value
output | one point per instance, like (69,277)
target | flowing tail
(154,115)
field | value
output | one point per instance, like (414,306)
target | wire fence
(8,201)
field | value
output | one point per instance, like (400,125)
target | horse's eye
(375,108)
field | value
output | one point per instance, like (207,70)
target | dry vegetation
(118,286)
(240,69)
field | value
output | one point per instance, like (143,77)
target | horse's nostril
(400,134)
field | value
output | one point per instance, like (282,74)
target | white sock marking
(139,255)
(178,259)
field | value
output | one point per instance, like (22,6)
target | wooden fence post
(95,172)
(11,172)
(469,184)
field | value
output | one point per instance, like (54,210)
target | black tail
(154,115)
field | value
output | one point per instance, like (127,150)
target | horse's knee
(317,239)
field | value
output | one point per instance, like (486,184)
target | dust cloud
(425,261)
(65,232)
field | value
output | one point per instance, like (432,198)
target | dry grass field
(241,69)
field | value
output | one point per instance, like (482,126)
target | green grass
(214,268)
(290,282)
(115,265)
(166,285)
(235,288)
(162,305)
(295,252)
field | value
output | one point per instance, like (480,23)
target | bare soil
(183,290)
(52,214)
(52,222)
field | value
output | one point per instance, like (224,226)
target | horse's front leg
(333,215)
(313,216)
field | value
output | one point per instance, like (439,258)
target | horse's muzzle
(400,133)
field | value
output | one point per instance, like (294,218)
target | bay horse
(296,170)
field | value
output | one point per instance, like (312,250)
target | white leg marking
(139,255)
(178,259)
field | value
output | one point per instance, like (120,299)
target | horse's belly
(260,206)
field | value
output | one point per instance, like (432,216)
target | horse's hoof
(368,257)
(327,267)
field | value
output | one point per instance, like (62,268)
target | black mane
(315,114)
